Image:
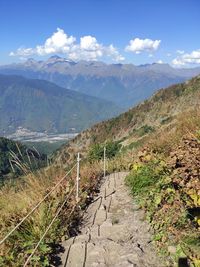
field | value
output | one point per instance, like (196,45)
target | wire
(49,226)
(39,203)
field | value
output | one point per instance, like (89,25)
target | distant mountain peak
(145,65)
(55,57)
(31,59)
(158,67)
(30,62)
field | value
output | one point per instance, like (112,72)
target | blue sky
(129,31)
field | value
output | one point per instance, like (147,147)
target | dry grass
(187,123)
(16,201)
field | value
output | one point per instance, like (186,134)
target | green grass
(144,177)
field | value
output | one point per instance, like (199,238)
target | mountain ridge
(124,84)
(40,105)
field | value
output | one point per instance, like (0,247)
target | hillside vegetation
(132,127)
(158,141)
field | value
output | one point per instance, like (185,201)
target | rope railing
(49,226)
(36,206)
(76,187)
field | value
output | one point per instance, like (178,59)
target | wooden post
(77,177)
(104,162)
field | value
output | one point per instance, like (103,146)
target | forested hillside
(41,106)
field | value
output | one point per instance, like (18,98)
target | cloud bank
(60,43)
(187,58)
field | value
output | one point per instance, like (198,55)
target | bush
(145,130)
(97,151)
(143,177)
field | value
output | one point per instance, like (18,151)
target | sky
(125,31)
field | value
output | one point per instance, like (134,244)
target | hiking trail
(113,232)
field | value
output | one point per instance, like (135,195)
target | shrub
(97,151)
(144,130)
(142,177)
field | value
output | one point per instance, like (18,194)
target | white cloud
(112,51)
(139,45)
(89,43)
(177,62)
(61,43)
(187,58)
(180,52)
(24,52)
(159,61)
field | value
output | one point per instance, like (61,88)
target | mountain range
(39,105)
(124,84)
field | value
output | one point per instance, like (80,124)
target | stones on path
(113,232)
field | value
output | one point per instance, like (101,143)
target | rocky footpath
(113,232)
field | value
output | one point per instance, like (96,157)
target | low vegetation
(16,201)
(165,181)
(96,152)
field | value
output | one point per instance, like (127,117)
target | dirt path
(114,233)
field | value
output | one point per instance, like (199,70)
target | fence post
(77,177)
(104,162)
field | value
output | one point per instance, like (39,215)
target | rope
(39,203)
(49,226)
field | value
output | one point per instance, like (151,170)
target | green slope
(43,106)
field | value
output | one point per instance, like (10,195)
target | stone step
(66,245)
(114,232)
(82,238)
(76,255)
(95,256)
(100,217)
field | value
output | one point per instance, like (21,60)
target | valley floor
(113,232)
